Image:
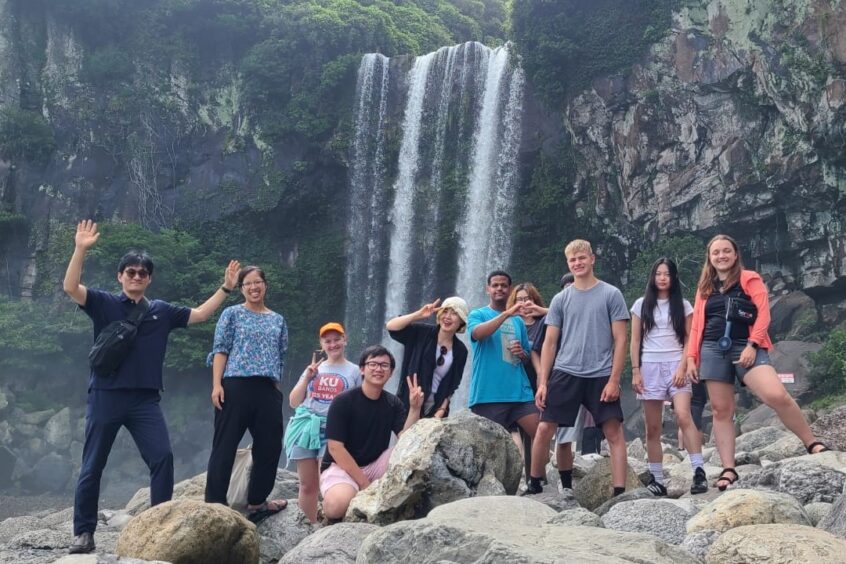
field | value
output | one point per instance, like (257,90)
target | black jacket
(421,342)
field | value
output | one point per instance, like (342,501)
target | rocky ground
(448,496)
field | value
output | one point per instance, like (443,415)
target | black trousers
(252,403)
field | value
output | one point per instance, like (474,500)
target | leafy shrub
(106,66)
(25,135)
(828,366)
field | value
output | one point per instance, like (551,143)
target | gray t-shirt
(585,317)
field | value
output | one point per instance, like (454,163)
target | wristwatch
(753,344)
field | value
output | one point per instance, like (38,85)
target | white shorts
(658,381)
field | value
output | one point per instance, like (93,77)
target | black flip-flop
(264,511)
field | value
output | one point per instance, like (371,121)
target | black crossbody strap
(137,313)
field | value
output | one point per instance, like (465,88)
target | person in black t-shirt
(358,430)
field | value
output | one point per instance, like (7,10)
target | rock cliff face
(734,123)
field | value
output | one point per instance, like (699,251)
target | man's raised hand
(86,234)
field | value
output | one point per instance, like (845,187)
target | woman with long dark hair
(660,326)
(722,349)
(248,359)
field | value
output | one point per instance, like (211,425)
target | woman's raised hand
(429,309)
(230,276)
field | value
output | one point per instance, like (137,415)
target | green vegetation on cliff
(566,44)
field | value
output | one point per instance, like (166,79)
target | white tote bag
(236,496)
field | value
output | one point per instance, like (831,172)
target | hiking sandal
(258,514)
(724,477)
(815,444)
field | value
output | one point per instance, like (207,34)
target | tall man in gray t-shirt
(590,319)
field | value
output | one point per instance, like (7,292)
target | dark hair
(133,257)
(247,270)
(567,279)
(650,300)
(373,351)
(499,273)
(708,277)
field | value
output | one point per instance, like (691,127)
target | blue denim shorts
(717,365)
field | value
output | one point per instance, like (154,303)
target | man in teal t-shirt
(500,389)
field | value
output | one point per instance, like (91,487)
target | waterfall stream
(431,194)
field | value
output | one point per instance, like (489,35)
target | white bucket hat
(459,306)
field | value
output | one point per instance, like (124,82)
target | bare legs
(309,473)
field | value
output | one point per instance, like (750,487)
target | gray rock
(555,500)
(805,478)
(596,488)
(776,544)
(438,461)
(786,447)
(578,517)
(741,458)
(283,531)
(14,526)
(4,400)
(505,529)
(58,430)
(736,508)
(51,473)
(817,511)
(699,542)
(5,432)
(628,495)
(661,518)
(831,428)
(57,518)
(793,315)
(40,539)
(36,418)
(337,544)
(758,438)
(636,450)
(834,522)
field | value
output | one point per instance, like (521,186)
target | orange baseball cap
(333,326)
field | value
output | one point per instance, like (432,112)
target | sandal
(724,477)
(259,513)
(815,444)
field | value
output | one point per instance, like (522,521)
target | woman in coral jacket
(718,355)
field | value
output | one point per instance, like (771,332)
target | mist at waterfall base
(434,165)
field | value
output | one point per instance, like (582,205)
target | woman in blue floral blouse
(248,359)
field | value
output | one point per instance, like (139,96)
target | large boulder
(737,508)
(831,428)
(700,542)
(629,495)
(792,315)
(789,446)
(679,477)
(835,521)
(283,531)
(337,544)
(808,478)
(51,473)
(58,431)
(190,532)
(438,461)
(776,544)
(662,518)
(791,357)
(817,511)
(596,487)
(507,529)
(759,438)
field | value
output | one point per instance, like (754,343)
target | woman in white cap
(433,352)
(329,374)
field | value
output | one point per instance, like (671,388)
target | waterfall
(367,238)
(432,215)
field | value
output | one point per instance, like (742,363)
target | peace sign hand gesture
(428,309)
(415,392)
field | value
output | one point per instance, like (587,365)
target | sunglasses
(133,273)
(441,360)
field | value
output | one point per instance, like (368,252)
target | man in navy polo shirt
(130,396)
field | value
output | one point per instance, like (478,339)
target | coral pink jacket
(753,286)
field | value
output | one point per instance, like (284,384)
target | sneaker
(700,482)
(656,488)
(82,544)
(532,490)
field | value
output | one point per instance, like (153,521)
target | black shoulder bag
(115,341)
(738,310)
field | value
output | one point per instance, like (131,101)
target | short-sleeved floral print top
(255,342)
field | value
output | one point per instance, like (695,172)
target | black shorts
(505,413)
(565,393)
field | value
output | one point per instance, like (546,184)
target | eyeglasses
(253,283)
(133,273)
(373,365)
(522,299)
(441,359)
